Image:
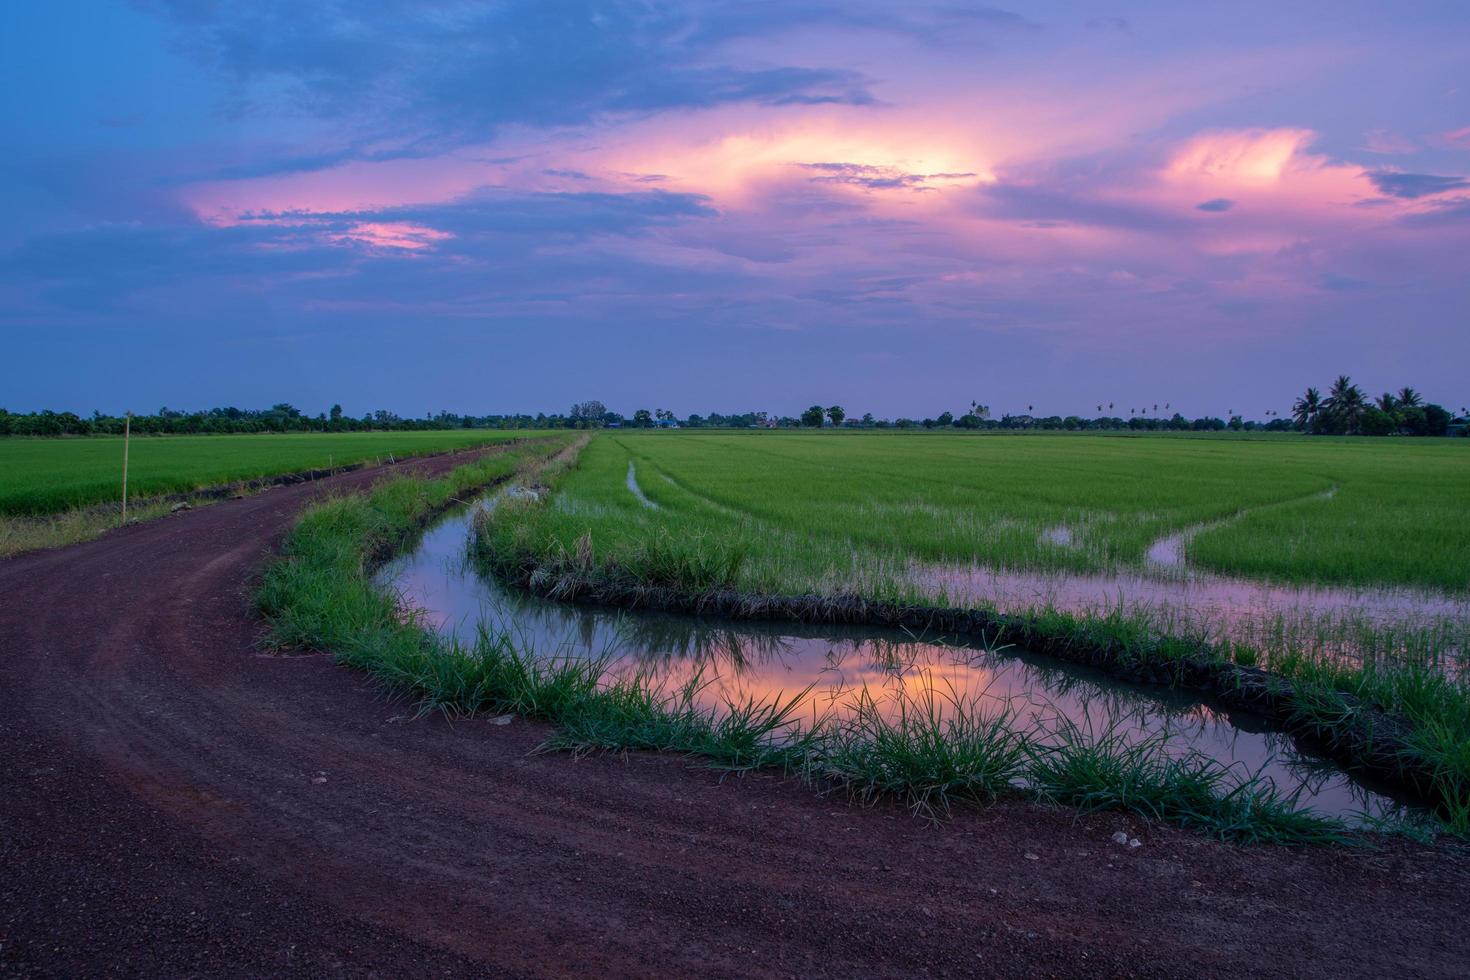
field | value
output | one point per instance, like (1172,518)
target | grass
(772,526)
(21,534)
(1106,771)
(931,751)
(47,476)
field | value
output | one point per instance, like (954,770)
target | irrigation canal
(741,660)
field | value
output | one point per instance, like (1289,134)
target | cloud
(1043,206)
(417,77)
(103,267)
(875,177)
(1412,186)
(1456,138)
(1257,156)
(1387,142)
(1454,211)
(1215,204)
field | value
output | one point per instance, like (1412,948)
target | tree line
(1344,410)
(281,417)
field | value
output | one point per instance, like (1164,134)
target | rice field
(48,476)
(809,511)
(1345,575)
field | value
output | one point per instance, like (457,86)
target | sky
(896,207)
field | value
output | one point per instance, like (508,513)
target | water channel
(740,660)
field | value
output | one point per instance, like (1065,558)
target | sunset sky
(898,207)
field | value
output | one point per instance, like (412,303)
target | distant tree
(1305,408)
(836,413)
(1344,405)
(868,418)
(1387,404)
(1436,421)
(588,413)
(812,417)
(946,419)
(1377,422)
(643,418)
(336,415)
(1409,398)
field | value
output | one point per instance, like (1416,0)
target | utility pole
(127,437)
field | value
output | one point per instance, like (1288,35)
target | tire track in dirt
(160,812)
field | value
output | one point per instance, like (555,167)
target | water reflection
(763,661)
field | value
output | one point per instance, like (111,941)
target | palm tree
(1305,408)
(1409,398)
(1387,403)
(1344,404)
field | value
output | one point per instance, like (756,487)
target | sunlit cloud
(1249,157)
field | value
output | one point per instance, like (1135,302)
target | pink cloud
(1456,138)
(1387,142)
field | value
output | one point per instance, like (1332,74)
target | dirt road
(173,801)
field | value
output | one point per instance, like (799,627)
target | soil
(176,801)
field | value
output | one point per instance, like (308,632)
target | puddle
(1061,536)
(764,660)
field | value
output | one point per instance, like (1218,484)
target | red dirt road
(174,802)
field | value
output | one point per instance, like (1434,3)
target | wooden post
(127,437)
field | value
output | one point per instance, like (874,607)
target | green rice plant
(802,498)
(1111,770)
(685,561)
